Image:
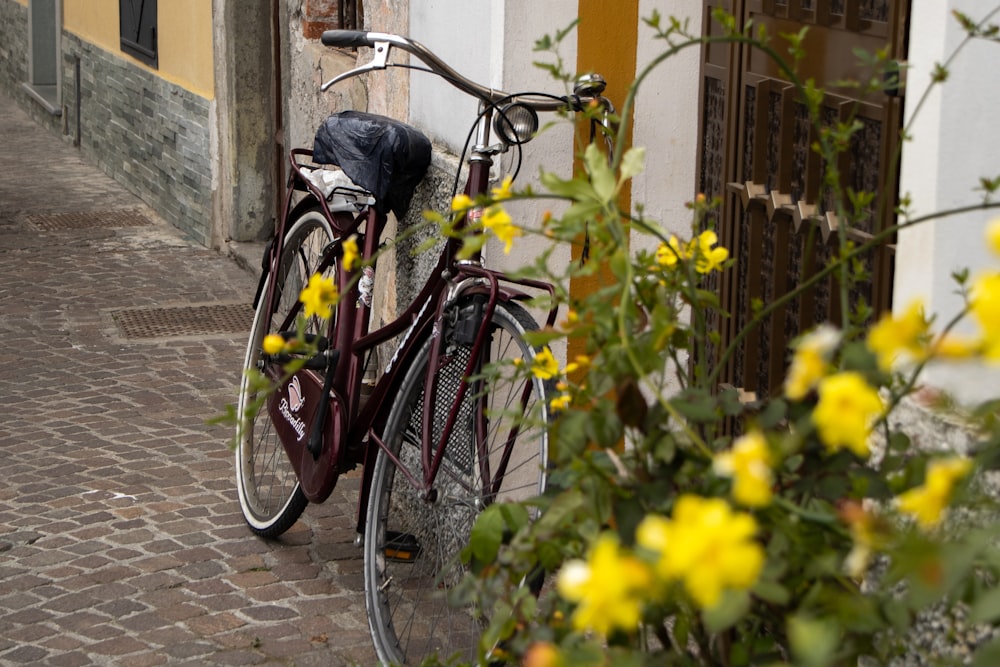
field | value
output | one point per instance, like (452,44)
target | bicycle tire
(412,547)
(270,496)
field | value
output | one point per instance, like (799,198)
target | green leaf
(707,299)
(569,435)
(601,177)
(732,606)
(541,337)
(697,406)
(813,641)
(471,245)
(515,517)
(487,534)
(771,591)
(575,188)
(633,162)
(581,212)
(729,400)
(562,508)
(604,427)
(773,414)
(986,607)
(987,655)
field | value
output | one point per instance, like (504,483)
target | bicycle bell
(515,123)
(589,85)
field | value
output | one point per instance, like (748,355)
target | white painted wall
(552,151)
(464,34)
(492,43)
(955,142)
(666,122)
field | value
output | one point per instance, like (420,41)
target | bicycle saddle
(384,156)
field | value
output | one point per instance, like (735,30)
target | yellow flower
(273,344)
(350,252)
(461,203)
(993,235)
(581,361)
(952,346)
(708,258)
(319,296)
(892,337)
(544,366)
(749,464)
(668,254)
(847,407)
(927,503)
(985,307)
(560,402)
(706,546)
(496,219)
(609,588)
(572,319)
(503,192)
(811,361)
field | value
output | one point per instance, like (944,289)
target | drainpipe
(77,102)
(278,102)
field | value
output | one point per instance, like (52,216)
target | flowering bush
(816,535)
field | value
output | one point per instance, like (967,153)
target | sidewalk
(121,540)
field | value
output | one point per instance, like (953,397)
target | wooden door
(755,154)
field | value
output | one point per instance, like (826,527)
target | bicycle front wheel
(269,493)
(497,451)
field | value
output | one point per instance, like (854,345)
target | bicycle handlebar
(381,42)
(346,38)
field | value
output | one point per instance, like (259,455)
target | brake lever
(380,61)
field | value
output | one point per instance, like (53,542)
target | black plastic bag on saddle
(384,156)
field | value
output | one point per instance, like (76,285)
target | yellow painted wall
(607,35)
(184,41)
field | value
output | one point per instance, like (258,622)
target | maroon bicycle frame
(351,432)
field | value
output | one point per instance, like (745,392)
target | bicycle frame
(349,434)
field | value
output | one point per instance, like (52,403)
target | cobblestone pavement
(121,541)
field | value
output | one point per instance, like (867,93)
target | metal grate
(459,450)
(54,222)
(201,320)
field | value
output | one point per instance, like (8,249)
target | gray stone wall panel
(150,135)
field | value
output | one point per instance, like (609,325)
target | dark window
(350,14)
(320,15)
(137,20)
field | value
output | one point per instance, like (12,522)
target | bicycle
(450,426)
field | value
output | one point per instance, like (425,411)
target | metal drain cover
(54,222)
(199,320)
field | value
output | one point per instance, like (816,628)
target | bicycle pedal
(401,547)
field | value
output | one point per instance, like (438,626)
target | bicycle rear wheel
(412,543)
(269,493)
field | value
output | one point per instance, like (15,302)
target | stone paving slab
(121,541)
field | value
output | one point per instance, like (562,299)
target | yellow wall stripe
(607,35)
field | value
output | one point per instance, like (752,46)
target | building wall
(954,143)
(148,128)
(13,45)
(184,28)
(144,131)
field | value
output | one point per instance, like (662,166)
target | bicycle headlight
(515,123)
